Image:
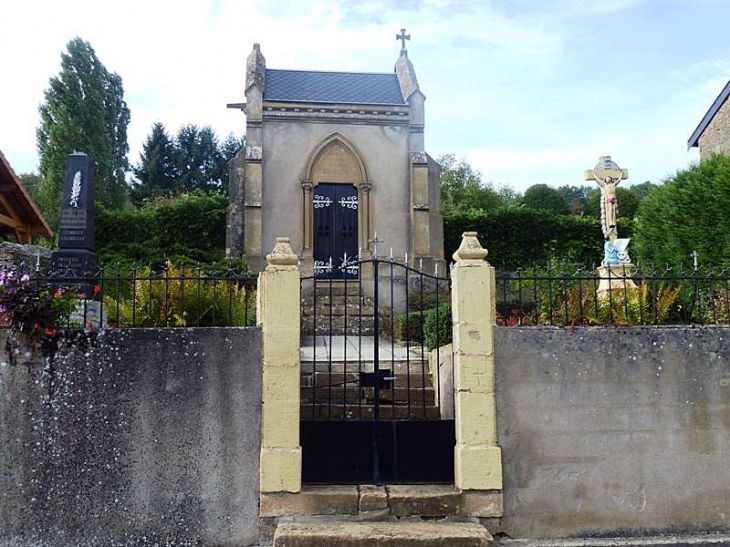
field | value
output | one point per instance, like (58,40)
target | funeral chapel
(336,161)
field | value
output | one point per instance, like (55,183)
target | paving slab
(381,534)
(341,348)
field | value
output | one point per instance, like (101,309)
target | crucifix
(403,37)
(608,175)
(375,242)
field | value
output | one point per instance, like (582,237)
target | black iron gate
(375,405)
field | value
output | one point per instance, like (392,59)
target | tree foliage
(542,197)
(576,197)
(193,160)
(156,172)
(689,212)
(462,188)
(84,110)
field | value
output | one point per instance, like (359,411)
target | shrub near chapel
(689,212)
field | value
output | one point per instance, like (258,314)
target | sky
(526,91)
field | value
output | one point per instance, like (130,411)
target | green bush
(181,297)
(437,326)
(689,212)
(519,236)
(408,327)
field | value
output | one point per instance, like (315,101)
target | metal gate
(375,404)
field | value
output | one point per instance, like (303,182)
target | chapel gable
(316,139)
(712,135)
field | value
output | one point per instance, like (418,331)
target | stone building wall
(716,137)
(14,256)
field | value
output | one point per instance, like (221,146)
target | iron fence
(627,295)
(167,296)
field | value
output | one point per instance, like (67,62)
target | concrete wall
(716,137)
(146,435)
(614,429)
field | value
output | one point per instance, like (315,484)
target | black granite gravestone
(76,256)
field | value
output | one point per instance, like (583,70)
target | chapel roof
(721,98)
(16,205)
(311,86)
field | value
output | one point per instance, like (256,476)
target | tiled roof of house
(20,203)
(721,98)
(305,86)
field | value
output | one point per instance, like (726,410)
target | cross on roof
(403,37)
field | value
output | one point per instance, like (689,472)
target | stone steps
(381,534)
(385,505)
(355,411)
(413,367)
(339,325)
(338,309)
(348,309)
(355,395)
(351,377)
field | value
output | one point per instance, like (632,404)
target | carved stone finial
(282,255)
(256,68)
(406,75)
(470,248)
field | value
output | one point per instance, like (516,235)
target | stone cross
(608,175)
(403,37)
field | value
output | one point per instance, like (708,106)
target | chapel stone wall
(716,137)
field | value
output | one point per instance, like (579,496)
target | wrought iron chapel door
(335,230)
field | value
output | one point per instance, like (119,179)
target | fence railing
(631,296)
(169,296)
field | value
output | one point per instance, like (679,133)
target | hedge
(191,228)
(519,236)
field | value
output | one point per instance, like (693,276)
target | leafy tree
(32,183)
(84,110)
(642,190)
(542,197)
(688,212)
(198,159)
(156,170)
(576,197)
(462,188)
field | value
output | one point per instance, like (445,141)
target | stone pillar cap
(282,255)
(470,248)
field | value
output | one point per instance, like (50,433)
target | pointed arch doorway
(336,208)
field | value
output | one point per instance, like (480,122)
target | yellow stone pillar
(278,316)
(477,458)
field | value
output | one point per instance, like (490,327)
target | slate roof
(305,86)
(721,98)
